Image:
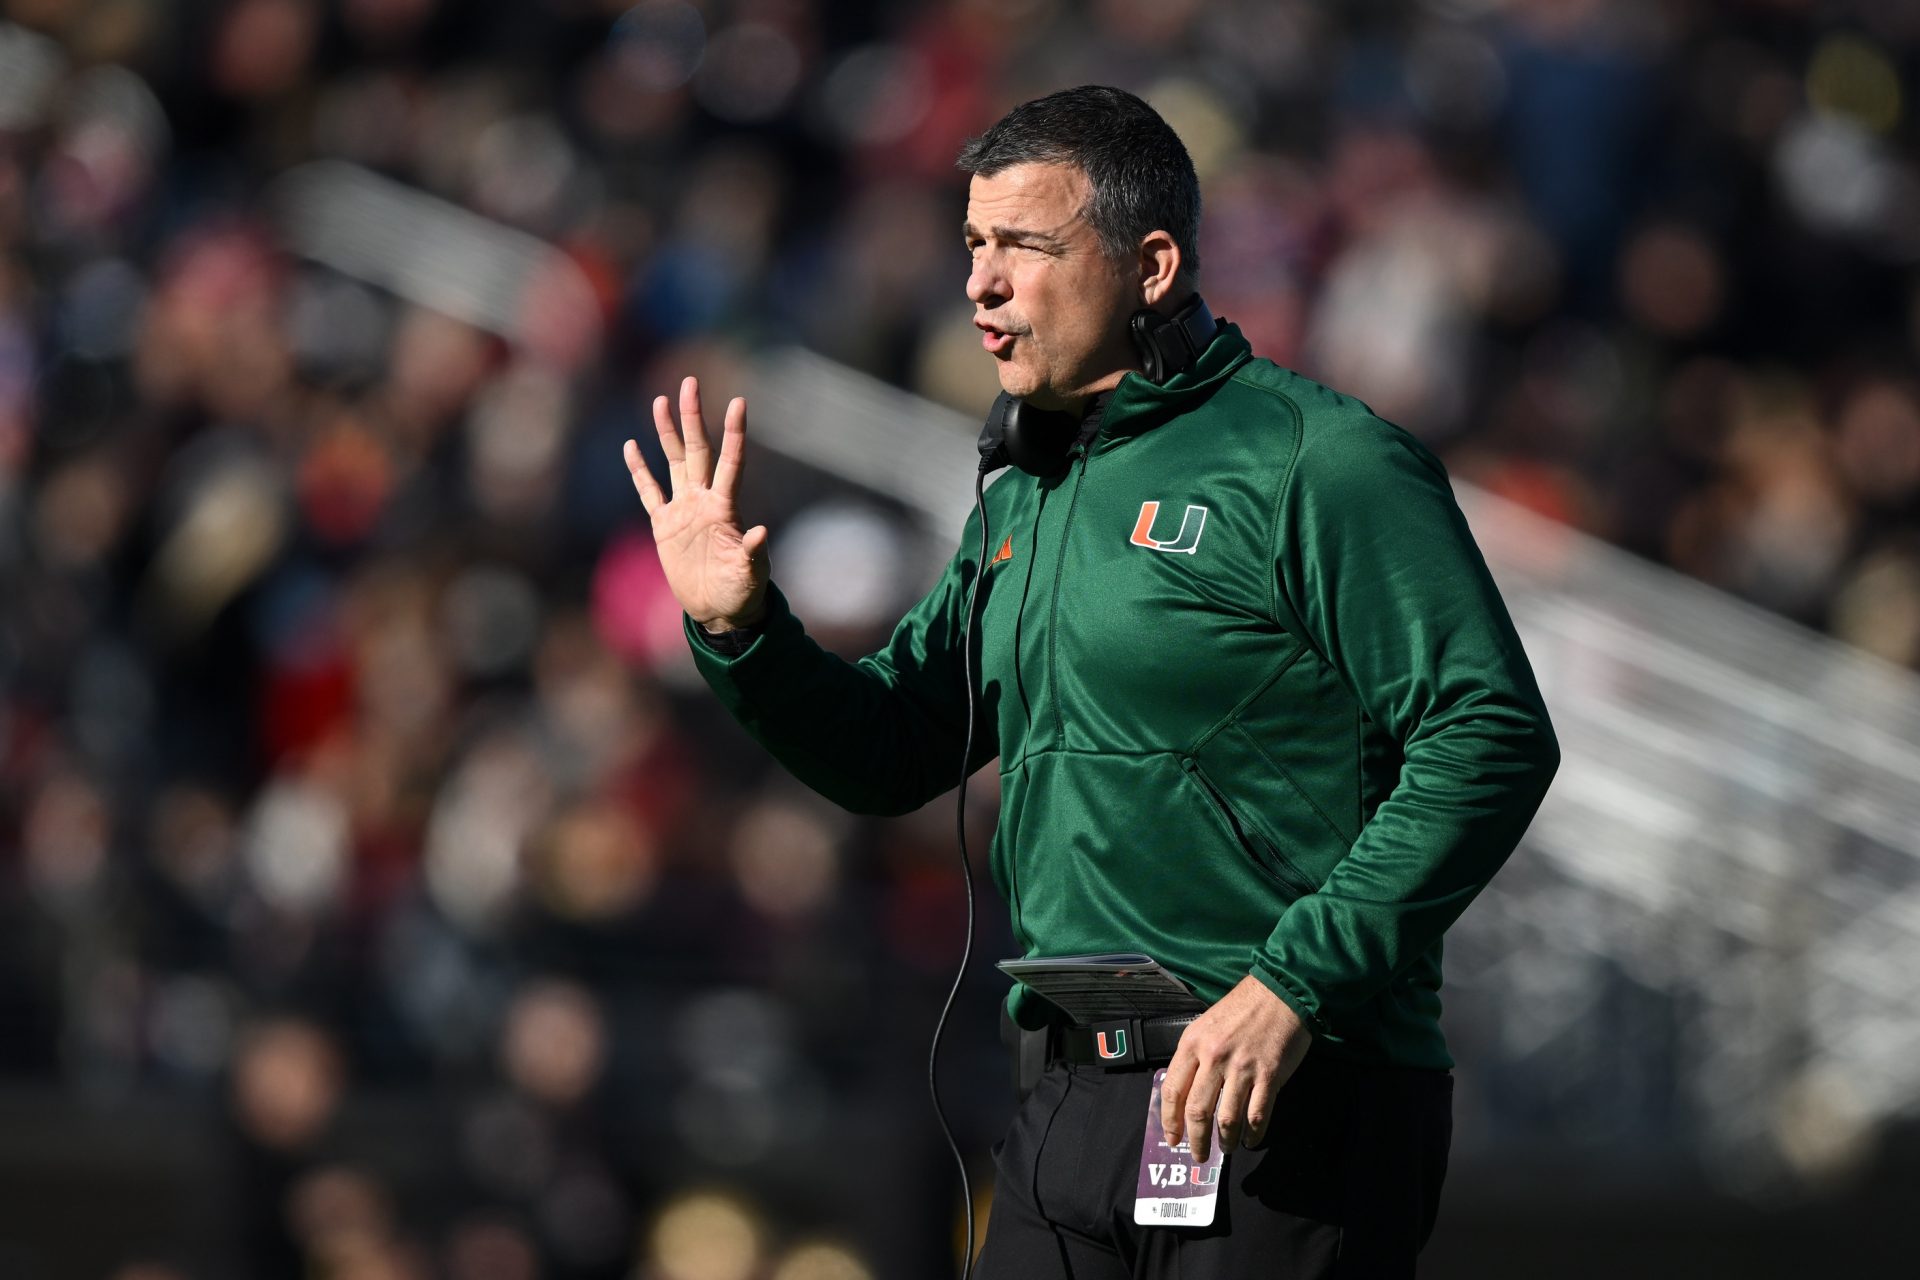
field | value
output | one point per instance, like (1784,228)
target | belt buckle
(1119,1043)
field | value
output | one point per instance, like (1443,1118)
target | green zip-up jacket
(1257,703)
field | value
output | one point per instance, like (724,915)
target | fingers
(1230,1114)
(733,447)
(689,455)
(1260,1109)
(643,482)
(670,445)
(1198,1113)
(693,431)
(1173,1093)
(1211,1098)
(1188,1097)
(1230,1064)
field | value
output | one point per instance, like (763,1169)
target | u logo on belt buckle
(1117,1042)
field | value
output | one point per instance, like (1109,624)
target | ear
(1160,263)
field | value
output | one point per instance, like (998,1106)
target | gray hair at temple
(1141,175)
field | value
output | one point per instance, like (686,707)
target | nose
(986,286)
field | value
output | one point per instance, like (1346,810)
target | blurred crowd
(347,745)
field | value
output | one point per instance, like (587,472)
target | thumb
(754,543)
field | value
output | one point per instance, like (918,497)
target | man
(1259,712)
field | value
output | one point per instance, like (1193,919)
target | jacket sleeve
(1377,569)
(882,735)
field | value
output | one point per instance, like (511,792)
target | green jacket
(1278,723)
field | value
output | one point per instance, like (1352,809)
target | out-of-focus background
(380,899)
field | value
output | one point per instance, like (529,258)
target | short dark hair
(1140,172)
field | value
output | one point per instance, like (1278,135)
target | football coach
(1258,709)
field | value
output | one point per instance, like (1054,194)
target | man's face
(1051,305)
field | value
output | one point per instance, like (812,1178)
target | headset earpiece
(1145,326)
(1034,440)
(1170,345)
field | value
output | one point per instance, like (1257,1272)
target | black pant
(1346,1184)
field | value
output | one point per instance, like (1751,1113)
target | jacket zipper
(1276,867)
(1053,605)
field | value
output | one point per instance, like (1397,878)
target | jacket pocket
(1262,854)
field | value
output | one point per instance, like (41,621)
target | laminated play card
(1174,1191)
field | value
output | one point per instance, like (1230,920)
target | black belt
(1120,1042)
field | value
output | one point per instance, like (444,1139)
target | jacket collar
(1139,405)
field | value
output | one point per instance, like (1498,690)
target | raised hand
(716,572)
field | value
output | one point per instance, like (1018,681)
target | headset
(1040,443)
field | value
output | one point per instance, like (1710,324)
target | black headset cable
(966,868)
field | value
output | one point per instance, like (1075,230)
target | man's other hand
(1231,1062)
(716,572)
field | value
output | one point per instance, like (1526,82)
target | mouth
(995,339)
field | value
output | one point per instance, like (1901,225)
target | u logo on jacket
(1187,540)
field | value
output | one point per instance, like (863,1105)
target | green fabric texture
(1279,724)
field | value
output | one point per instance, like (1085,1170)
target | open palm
(717,572)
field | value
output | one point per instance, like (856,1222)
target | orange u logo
(1187,540)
